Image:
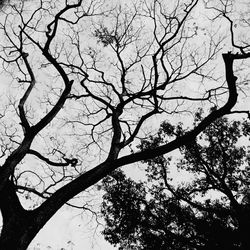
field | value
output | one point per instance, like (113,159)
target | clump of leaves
(159,214)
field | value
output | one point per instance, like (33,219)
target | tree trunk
(244,225)
(18,228)
(17,235)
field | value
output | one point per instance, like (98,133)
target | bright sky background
(67,224)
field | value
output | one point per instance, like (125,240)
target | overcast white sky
(65,226)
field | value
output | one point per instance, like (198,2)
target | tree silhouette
(210,211)
(88,79)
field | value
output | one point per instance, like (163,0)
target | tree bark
(244,224)
(21,226)
(17,231)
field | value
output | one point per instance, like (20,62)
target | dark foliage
(211,211)
(87,78)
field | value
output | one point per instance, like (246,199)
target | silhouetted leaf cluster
(208,212)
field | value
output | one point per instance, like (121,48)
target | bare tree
(89,77)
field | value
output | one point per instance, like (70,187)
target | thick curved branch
(24,121)
(51,205)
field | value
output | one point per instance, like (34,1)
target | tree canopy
(84,81)
(208,210)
